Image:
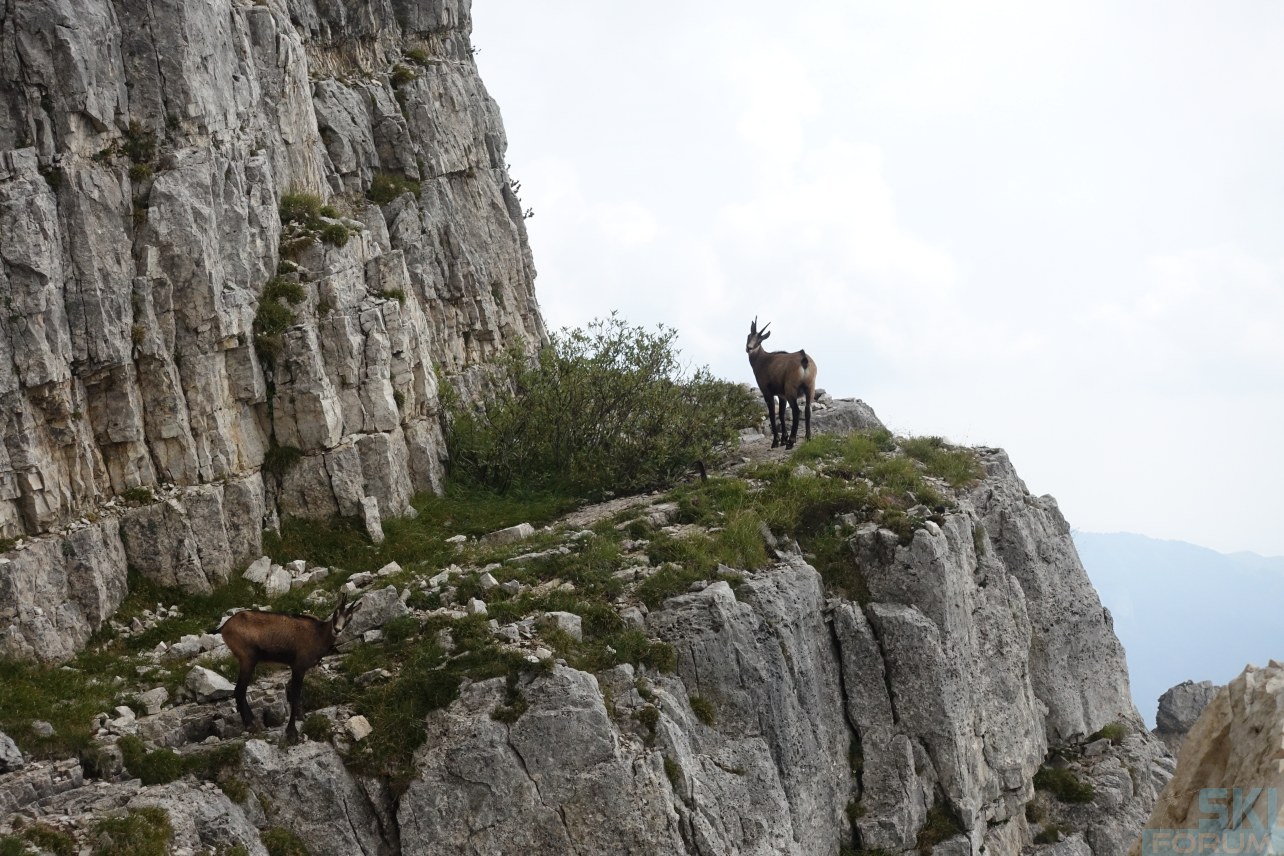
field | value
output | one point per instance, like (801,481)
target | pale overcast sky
(1052,227)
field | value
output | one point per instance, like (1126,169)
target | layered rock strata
(146,147)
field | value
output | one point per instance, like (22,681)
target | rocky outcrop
(145,151)
(1229,774)
(792,721)
(1179,710)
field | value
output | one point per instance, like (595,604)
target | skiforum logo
(1229,822)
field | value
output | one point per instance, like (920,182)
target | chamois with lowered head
(298,641)
(784,375)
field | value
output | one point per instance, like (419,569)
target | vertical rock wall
(145,147)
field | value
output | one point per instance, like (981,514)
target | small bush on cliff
(142,832)
(603,408)
(1064,785)
(1114,732)
(386,187)
(940,825)
(283,842)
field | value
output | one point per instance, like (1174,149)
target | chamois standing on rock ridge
(298,641)
(782,374)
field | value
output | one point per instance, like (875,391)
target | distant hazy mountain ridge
(1185,612)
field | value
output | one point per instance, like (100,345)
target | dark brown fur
(298,641)
(782,374)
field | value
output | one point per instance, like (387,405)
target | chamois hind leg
(793,433)
(294,695)
(807,393)
(243,678)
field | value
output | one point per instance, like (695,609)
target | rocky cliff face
(146,147)
(793,721)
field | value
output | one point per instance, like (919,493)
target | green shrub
(137,494)
(279,460)
(400,629)
(301,208)
(704,710)
(335,234)
(280,288)
(236,789)
(283,842)
(158,766)
(142,832)
(418,55)
(1064,785)
(140,172)
(673,770)
(1114,732)
(11,845)
(274,317)
(660,656)
(140,143)
(50,839)
(401,75)
(317,726)
(1049,835)
(603,408)
(958,467)
(939,826)
(513,708)
(649,716)
(385,187)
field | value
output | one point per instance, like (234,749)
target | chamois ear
(763,335)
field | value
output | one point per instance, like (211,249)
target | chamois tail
(806,363)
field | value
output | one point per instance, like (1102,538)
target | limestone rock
(328,809)
(358,728)
(202,817)
(258,570)
(511,535)
(1179,709)
(10,756)
(377,608)
(206,685)
(566,622)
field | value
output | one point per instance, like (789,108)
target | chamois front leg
(294,695)
(771,417)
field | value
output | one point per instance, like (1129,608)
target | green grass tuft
(1115,732)
(317,727)
(704,710)
(142,832)
(386,186)
(283,842)
(939,826)
(1064,785)
(50,839)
